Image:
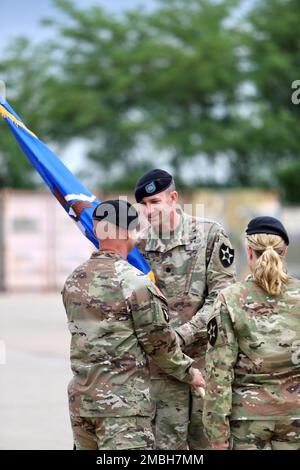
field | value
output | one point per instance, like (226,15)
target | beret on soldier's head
(268,225)
(118,212)
(153,182)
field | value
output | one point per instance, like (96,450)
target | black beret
(117,212)
(153,182)
(267,224)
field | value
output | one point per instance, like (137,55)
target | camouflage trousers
(265,435)
(132,432)
(177,416)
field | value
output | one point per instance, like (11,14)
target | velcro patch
(166,313)
(226,254)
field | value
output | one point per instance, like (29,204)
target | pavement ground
(34,372)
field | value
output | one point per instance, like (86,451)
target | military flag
(75,198)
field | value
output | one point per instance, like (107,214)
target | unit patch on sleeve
(226,255)
(212,331)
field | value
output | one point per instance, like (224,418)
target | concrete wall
(40,244)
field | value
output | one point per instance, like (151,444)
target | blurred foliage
(189,79)
(288,177)
(25,70)
(274,54)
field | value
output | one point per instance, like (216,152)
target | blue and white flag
(77,201)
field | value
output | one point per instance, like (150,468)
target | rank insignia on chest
(212,331)
(226,255)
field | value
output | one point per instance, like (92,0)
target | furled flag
(77,201)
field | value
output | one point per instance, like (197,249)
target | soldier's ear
(283,251)
(174,196)
(250,253)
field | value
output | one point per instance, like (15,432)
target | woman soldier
(252,396)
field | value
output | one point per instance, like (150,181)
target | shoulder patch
(226,255)
(166,313)
(212,331)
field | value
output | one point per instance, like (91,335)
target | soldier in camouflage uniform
(117,319)
(252,396)
(192,260)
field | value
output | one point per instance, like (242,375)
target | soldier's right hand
(220,446)
(198,380)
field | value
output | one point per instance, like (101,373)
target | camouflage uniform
(190,268)
(116,316)
(253,368)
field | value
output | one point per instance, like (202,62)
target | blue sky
(21,17)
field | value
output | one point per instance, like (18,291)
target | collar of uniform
(105,254)
(180,236)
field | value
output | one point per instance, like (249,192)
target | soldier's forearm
(181,368)
(217,428)
(195,329)
(174,362)
(162,346)
(218,393)
(217,409)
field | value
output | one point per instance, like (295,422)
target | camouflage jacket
(253,357)
(117,317)
(190,269)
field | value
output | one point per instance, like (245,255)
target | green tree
(166,79)
(187,79)
(274,58)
